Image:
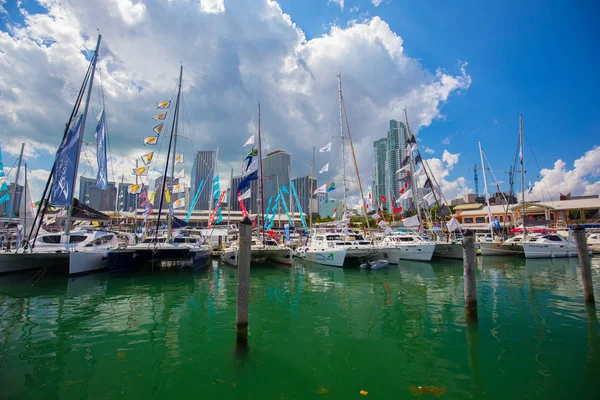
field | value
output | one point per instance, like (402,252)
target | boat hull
(361,253)
(277,255)
(501,249)
(128,259)
(14,262)
(332,257)
(412,252)
(82,261)
(549,250)
(448,250)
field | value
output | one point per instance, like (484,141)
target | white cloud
(447,139)
(583,178)
(428,150)
(449,158)
(354,9)
(212,6)
(441,170)
(376,3)
(249,52)
(2,10)
(338,2)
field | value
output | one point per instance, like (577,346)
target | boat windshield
(154,240)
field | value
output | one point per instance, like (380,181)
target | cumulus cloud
(583,178)
(441,170)
(338,2)
(428,150)
(449,158)
(248,52)
(447,140)
(376,3)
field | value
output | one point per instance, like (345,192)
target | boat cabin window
(333,237)
(406,239)
(270,242)
(185,240)
(100,241)
(554,238)
(54,239)
(76,239)
(153,240)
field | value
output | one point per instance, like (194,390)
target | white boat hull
(448,250)
(359,253)
(413,252)
(83,261)
(500,249)
(594,248)
(333,257)
(549,250)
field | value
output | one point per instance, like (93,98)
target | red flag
(398,210)
(405,185)
(383,199)
(401,191)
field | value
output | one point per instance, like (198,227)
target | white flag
(429,198)
(412,221)
(325,148)
(179,188)
(406,195)
(245,195)
(179,175)
(411,148)
(453,224)
(403,168)
(419,171)
(249,141)
(179,159)
(324,169)
(321,189)
(179,203)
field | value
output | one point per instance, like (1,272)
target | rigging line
(539,170)
(11,168)
(187,120)
(495,179)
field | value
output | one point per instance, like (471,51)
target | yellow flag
(151,196)
(134,189)
(164,104)
(179,203)
(162,115)
(141,171)
(158,128)
(167,196)
(95,223)
(150,140)
(179,159)
(147,158)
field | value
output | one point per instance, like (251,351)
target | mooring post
(584,263)
(243,289)
(468,245)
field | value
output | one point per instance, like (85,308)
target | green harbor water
(315,332)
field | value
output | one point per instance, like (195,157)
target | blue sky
(537,58)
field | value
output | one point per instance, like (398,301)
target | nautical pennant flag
(134,189)
(179,203)
(330,186)
(284,189)
(334,211)
(152,140)
(143,195)
(163,105)
(529,188)
(383,199)
(167,196)
(180,174)
(324,169)
(245,195)
(147,158)
(141,171)
(158,128)
(249,141)
(429,198)
(405,168)
(325,148)
(253,153)
(453,225)
(321,189)
(406,195)
(179,188)
(160,116)
(151,195)
(179,159)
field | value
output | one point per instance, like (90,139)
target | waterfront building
(276,172)
(305,187)
(379,168)
(85,184)
(103,199)
(203,169)
(326,209)
(126,200)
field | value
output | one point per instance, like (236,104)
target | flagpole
(136,197)
(262,195)
(85,112)
(339,76)
(12,208)
(311,194)
(522,174)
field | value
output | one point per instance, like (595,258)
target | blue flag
(61,192)
(496,223)
(284,189)
(245,182)
(101,180)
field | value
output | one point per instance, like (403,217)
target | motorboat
(260,250)
(374,265)
(509,247)
(405,246)
(322,249)
(78,252)
(549,246)
(159,253)
(593,242)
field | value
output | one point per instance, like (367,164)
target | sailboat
(166,251)
(78,250)
(262,248)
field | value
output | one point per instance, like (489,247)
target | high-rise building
(331,208)
(126,200)
(305,187)
(321,198)
(395,153)
(379,168)
(276,172)
(103,200)
(158,182)
(85,184)
(203,169)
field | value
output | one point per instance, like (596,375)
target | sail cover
(83,212)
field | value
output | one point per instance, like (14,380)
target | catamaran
(167,250)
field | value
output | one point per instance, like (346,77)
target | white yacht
(80,251)
(322,249)
(405,246)
(181,252)
(509,247)
(594,243)
(549,246)
(267,250)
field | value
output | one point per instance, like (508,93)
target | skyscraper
(251,203)
(158,182)
(379,169)
(305,186)
(126,200)
(103,200)
(276,172)
(203,169)
(85,184)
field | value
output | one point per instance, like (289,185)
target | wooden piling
(243,289)
(468,245)
(584,263)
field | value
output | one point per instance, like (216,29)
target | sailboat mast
(413,178)
(136,198)
(311,193)
(164,181)
(260,182)
(85,112)
(339,76)
(174,136)
(25,208)
(522,174)
(485,189)
(362,195)
(231,198)
(12,211)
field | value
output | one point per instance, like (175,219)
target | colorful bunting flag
(179,159)
(134,189)
(151,140)
(158,128)
(325,148)
(147,158)
(141,171)
(160,116)
(324,169)
(179,203)
(179,175)
(250,141)
(330,186)
(163,105)
(167,196)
